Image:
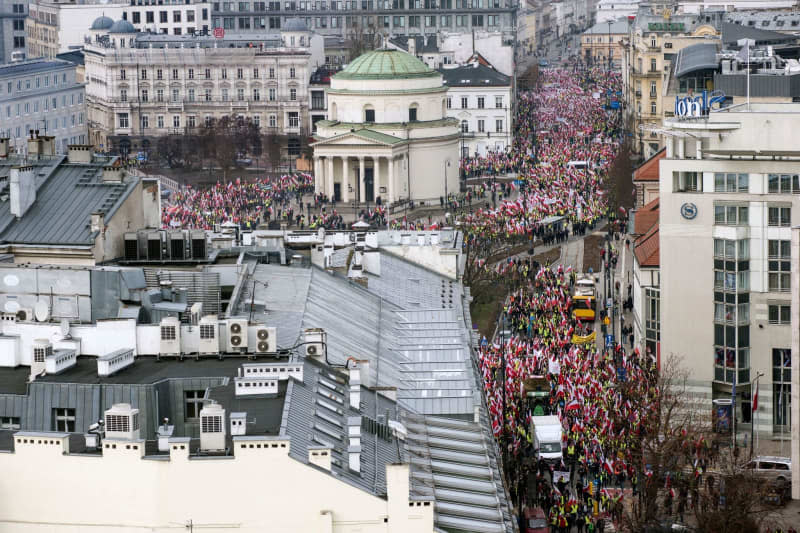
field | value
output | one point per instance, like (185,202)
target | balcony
(638,94)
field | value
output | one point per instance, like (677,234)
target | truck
(584,299)
(546,432)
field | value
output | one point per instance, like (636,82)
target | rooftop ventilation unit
(113,362)
(122,422)
(60,361)
(170,337)
(209,335)
(262,339)
(238,423)
(24,315)
(315,339)
(163,434)
(42,349)
(237,335)
(212,428)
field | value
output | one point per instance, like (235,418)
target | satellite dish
(64,327)
(41,311)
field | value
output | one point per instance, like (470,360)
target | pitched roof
(733,32)
(369,135)
(647,248)
(474,75)
(648,171)
(702,56)
(645,218)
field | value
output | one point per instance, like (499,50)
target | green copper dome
(386,65)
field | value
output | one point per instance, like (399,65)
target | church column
(345,180)
(317,175)
(390,187)
(361,186)
(376,178)
(329,175)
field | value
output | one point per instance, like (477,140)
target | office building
(141,85)
(12,30)
(728,202)
(615,9)
(43,95)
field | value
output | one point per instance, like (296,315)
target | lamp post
(446,164)
(609,45)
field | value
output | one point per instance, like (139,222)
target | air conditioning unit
(42,349)
(122,422)
(170,336)
(238,423)
(237,335)
(262,339)
(212,428)
(24,315)
(315,339)
(209,335)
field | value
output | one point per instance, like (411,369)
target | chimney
(412,45)
(363,370)
(112,174)
(34,145)
(354,447)
(22,189)
(47,145)
(97,221)
(355,388)
(320,456)
(4,149)
(79,153)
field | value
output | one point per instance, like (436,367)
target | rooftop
(647,247)
(474,75)
(732,32)
(646,216)
(425,44)
(701,56)
(32,66)
(386,65)
(617,27)
(648,171)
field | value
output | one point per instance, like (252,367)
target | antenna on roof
(64,326)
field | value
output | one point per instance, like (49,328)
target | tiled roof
(648,171)
(645,218)
(647,247)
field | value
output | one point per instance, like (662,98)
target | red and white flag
(755,399)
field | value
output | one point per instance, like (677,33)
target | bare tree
(361,38)
(229,138)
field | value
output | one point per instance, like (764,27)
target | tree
(170,148)
(229,138)
(361,38)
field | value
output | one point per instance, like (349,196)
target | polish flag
(755,399)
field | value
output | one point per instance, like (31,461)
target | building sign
(688,211)
(665,26)
(219,33)
(697,106)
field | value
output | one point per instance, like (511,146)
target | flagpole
(754,413)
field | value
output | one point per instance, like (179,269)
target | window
(64,420)
(462,20)
(150,17)
(255,73)
(292,72)
(225,95)
(293,94)
(477,20)
(160,95)
(145,122)
(122,119)
(369,115)
(273,121)
(191,121)
(464,102)
(19,42)
(9,422)
(272,73)
(481,102)
(176,95)
(191,74)
(123,74)
(224,73)
(687,181)
(430,21)
(176,121)
(779,265)
(730,215)
(174,74)
(160,121)
(272,95)
(412,114)
(784,183)
(464,126)
(481,125)
(193,403)
(731,182)
(159,74)
(653,107)
(256,95)
(294,119)
(780,313)
(449,102)
(498,125)
(781,386)
(498,102)
(163,16)
(239,74)
(240,94)
(779,216)
(653,64)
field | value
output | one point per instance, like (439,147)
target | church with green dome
(387,137)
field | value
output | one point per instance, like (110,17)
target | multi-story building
(12,30)
(368,18)
(141,86)
(728,201)
(438,51)
(480,98)
(42,94)
(56,27)
(615,9)
(602,43)
(650,47)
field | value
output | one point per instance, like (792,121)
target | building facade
(388,135)
(602,43)
(650,48)
(42,95)
(12,30)
(368,18)
(141,86)
(615,9)
(57,27)
(728,202)
(479,97)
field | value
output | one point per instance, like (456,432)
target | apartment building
(12,30)
(729,197)
(602,44)
(44,95)
(358,18)
(141,86)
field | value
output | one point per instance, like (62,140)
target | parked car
(544,63)
(535,520)
(771,468)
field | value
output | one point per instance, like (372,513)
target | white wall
(488,44)
(259,489)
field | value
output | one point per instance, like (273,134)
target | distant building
(57,27)
(142,86)
(615,9)
(646,281)
(446,48)
(480,98)
(645,180)
(602,43)
(42,95)
(388,135)
(12,30)
(69,210)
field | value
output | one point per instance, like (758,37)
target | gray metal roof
(32,66)
(617,27)
(66,196)
(474,75)
(731,33)
(696,57)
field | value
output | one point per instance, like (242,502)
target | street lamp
(609,45)
(446,164)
